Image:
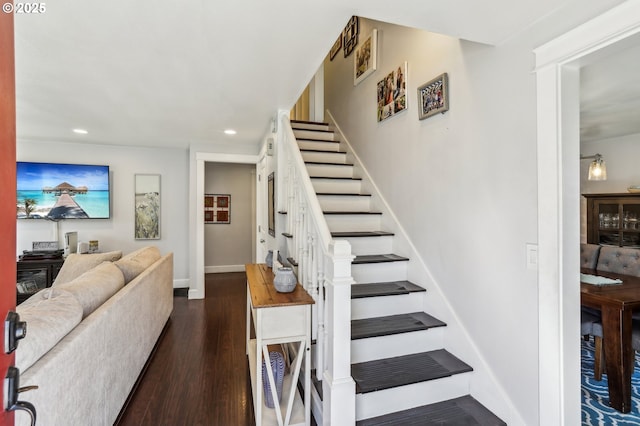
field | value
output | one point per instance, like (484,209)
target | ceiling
(171,74)
(610,94)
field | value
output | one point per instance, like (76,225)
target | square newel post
(339,397)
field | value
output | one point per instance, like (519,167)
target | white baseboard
(223,268)
(182,283)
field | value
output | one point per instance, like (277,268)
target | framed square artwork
(217,208)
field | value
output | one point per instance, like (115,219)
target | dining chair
(589,254)
(596,331)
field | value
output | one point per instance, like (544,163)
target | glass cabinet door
(608,223)
(630,224)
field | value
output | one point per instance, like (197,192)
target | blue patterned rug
(595,396)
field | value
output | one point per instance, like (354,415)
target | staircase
(403,374)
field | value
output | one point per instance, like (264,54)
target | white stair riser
(310,134)
(328,170)
(386,401)
(310,126)
(354,222)
(322,146)
(344,203)
(373,348)
(371,307)
(341,186)
(324,157)
(379,272)
(370,245)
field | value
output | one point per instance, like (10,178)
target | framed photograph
(147,207)
(350,35)
(217,208)
(335,48)
(433,97)
(392,93)
(271,208)
(364,60)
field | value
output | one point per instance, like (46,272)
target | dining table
(616,301)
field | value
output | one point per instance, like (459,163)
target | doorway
(196,213)
(557,72)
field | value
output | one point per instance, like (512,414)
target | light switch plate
(532,256)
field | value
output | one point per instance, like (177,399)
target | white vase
(285,281)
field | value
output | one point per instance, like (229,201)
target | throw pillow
(77,264)
(95,286)
(50,315)
(134,263)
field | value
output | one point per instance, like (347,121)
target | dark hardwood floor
(199,373)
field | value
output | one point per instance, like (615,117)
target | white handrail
(307,188)
(324,270)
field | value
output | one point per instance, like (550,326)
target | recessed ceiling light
(80,131)
(230,132)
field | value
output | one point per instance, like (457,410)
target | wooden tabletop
(624,296)
(265,295)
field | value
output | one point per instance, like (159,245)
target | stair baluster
(313,249)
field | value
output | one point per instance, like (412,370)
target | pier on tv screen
(62,191)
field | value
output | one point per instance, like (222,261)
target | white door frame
(557,73)
(196,212)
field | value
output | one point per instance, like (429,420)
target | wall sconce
(597,168)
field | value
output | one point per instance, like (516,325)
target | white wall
(462,184)
(621,156)
(228,247)
(117,233)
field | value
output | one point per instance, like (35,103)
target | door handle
(14,330)
(12,389)
(261,240)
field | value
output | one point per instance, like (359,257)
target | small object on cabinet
(285,281)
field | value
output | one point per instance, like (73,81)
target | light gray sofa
(90,335)
(619,260)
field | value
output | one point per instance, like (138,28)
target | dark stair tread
(314,140)
(323,151)
(378,258)
(391,288)
(327,163)
(339,212)
(462,411)
(313,130)
(334,178)
(309,122)
(404,370)
(353,194)
(345,234)
(292,261)
(393,324)
(288,235)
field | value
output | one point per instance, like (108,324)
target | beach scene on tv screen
(62,191)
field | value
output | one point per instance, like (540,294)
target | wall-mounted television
(62,191)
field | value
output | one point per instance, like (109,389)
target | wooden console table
(278,318)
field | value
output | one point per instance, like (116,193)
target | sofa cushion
(77,264)
(95,286)
(589,255)
(134,263)
(619,260)
(50,315)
